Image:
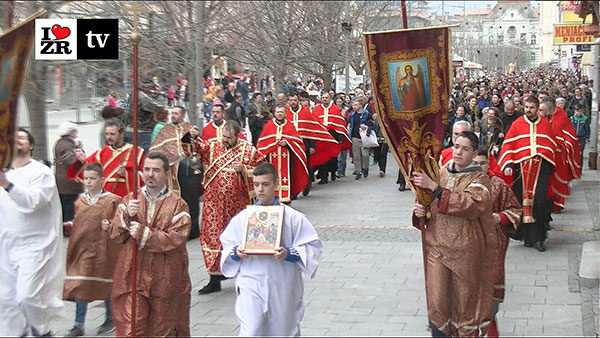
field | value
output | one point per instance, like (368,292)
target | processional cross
(136,38)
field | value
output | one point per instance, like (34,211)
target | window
(500,38)
(512,15)
(533,39)
(532,56)
(512,32)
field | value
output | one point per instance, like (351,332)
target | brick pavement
(370,281)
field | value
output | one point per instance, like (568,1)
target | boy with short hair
(91,255)
(270,288)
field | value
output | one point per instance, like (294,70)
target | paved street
(370,281)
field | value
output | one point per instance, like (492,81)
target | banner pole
(404,17)
(136,38)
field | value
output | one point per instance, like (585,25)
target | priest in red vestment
(228,189)
(214,130)
(528,155)
(330,116)
(568,156)
(283,146)
(116,159)
(159,221)
(319,144)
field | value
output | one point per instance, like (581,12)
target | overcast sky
(454,7)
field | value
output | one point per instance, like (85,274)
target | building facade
(494,37)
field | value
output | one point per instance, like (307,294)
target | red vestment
(290,160)
(226,192)
(568,158)
(525,144)
(446,156)
(91,255)
(326,147)
(163,292)
(110,159)
(331,117)
(212,132)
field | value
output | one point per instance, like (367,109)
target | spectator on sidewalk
(64,156)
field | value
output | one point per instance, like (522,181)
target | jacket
(366,119)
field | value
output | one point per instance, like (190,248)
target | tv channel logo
(76,39)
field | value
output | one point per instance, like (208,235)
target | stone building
(494,37)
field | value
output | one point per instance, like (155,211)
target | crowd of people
(514,141)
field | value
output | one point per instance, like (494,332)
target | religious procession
(240,194)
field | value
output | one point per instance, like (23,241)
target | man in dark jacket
(64,156)
(258,115)
(236,111)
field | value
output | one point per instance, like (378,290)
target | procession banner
(15,46)
(410,76)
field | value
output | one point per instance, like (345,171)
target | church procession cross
(136,38)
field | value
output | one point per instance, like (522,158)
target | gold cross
(135,10)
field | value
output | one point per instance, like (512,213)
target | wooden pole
(134,247)
(136,38)
(10,13)
(404,17)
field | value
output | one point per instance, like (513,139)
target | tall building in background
(496,36)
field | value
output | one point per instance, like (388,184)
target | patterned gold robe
(506,204)
(460,245)
(91,255)
(163,282)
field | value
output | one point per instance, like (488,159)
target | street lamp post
(347,28)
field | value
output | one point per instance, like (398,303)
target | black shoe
(333,177)
(365,173)
(306,191)
(357,177)
(528,244)
(107,327)
(211,287)
(76,331)
(402,187)
(540,246)
(294,197)
(323,181)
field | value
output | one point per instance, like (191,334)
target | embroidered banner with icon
(15,46)
(410,76)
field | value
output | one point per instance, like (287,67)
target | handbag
(368,141)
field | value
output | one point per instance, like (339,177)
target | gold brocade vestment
(91,255)
(460,244)
(163,293)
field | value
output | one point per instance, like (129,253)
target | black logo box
(90,35)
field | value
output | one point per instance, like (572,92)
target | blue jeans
(341,168)
(81,311)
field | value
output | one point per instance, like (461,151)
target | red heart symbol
(60,32)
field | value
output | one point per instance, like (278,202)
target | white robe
(269,291)
(31,257)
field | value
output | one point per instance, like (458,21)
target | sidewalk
(370,281)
